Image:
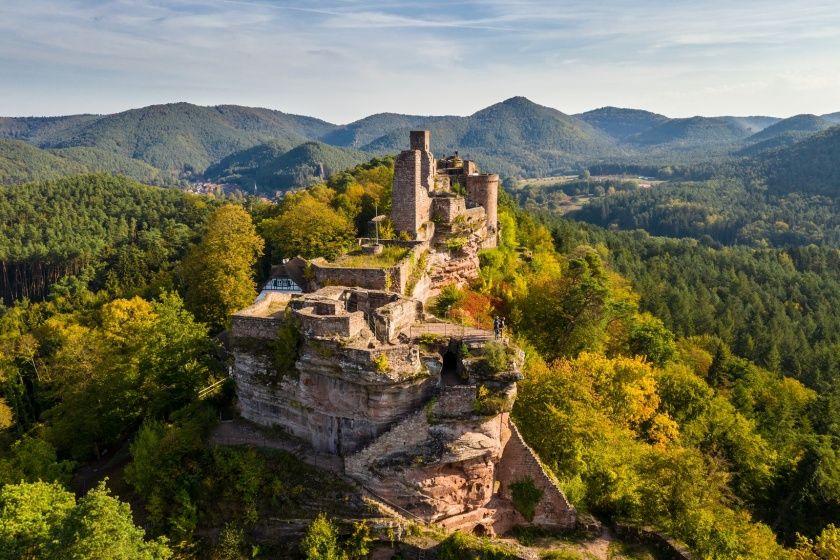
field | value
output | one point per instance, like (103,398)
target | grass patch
(390,256)
(561,555)
(632,551)
(460,546)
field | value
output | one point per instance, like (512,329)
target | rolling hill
(621,123)
(809,166)
(832,117)
(175,137)
(365,131)
(513,137)
(785,133)
(21,162)
(36,130)
(516,137)
(693,132)
(272,167)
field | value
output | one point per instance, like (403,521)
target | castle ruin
(417,408)
(430,191)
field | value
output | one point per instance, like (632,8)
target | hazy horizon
(341,60)
(396,112)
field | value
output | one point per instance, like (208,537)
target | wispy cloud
(341,59)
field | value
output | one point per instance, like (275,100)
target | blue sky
(344,59)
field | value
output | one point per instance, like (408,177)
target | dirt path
(599,547)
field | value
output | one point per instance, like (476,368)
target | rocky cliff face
(421,419)
(338,396)
(439,462)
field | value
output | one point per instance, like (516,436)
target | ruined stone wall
(256,327)
(393,318)
(446,208)
(484,191)
(413,176)
(455,402)
(391,279)
(519,462)
(370,278)
(263,318)
(346,325)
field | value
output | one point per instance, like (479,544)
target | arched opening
(480,531)
(449,373)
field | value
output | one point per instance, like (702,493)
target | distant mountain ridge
(811,165)
(785,133)
(269,167)
(514,137)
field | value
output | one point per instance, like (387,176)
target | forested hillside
(622,123)
(638,395)
(682,134)
(719,211)
(515,137)
(91,226)
(174,137)
(809,166)
(272,167)
(21,162)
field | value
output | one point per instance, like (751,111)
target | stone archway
(449,373)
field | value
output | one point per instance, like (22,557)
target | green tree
(43,521)
(218,271)
(565,315)
(100,527)
(309,228)
(31,459)
(321,540)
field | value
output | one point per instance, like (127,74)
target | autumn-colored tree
(309,228)
(321,540)
(218,271)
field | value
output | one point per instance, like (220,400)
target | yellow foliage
(124,318)
(624,387)
(825,547)
(688,352)
(6,417)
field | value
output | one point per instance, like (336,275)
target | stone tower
(483,189)
(414,176)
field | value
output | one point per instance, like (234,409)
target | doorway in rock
(449,374)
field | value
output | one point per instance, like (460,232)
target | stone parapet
(320,325)
(263,318)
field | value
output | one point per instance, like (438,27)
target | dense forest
(717,211)
(90,226)
(679,384)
